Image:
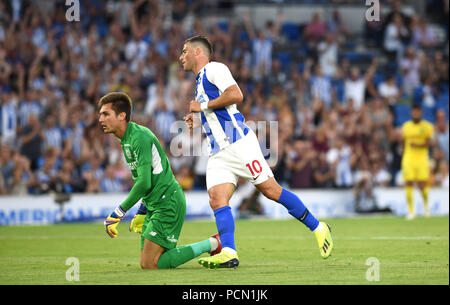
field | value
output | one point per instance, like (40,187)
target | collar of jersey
(198,74)
(127,132)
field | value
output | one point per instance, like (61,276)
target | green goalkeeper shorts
(163,224)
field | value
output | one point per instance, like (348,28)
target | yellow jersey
(417,133)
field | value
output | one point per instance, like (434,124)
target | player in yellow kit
(417,136)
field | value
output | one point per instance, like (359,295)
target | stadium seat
(429,114)
(402,114)
(243,35)
(223,25)
(354,56)
(399,80)
(443,100)
(301,67)
(444,87)
(285,59)
(392,66)
(417,95)
(291,31)
(350,45)
(378,78)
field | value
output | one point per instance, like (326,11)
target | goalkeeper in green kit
(162,211)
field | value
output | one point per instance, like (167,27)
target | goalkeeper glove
(138,220)
(113,220)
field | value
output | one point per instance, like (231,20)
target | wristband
(142,209)
(119,212)
(204,106)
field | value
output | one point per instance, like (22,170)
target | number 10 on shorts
(255,168)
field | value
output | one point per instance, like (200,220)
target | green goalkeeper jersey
(149,166)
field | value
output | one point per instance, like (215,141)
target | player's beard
(187,67)
(106,129)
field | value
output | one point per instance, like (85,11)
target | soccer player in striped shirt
(234,152)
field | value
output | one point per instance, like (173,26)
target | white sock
(319,227)
(229,250)
(214,243)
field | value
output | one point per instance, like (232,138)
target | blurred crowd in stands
(339,109)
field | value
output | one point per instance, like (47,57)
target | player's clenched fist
(194,106)
(137,223)
(113,220)
(189,120)
(192,121)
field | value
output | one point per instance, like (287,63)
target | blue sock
(225,226)
(297,209)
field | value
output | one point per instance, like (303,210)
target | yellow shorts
(416,170)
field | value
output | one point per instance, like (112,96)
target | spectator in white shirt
(410,66)
(262,45)
(393,35)
(355,85)
(423,35)
(381,176)
(355,88)
(328,55)
(339,157)
(321,86)
(389,90)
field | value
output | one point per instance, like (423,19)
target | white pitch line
(46,237)
(348,237)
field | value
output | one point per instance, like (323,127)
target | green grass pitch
(270,251)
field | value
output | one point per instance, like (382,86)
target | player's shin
(180,255)
(175,257)
(225,226)
(425,191)
(297,209)
(410,199)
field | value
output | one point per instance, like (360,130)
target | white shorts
(243,159)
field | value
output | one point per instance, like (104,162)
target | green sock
(201,247)
(180,255)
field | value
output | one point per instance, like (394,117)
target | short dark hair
(202,40)
(416,106)
(120,101)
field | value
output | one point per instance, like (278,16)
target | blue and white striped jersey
(53,137)
(26,109)
(8,122)
(223,126)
